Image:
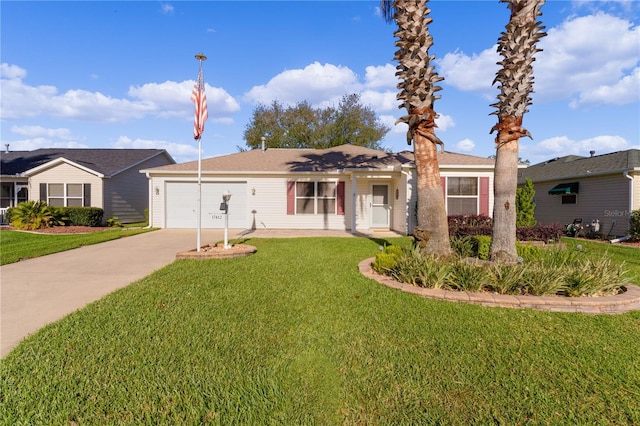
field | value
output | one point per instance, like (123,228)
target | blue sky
(119,74)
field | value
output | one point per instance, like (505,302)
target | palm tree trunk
(503,239)
(432,216)
(517,45)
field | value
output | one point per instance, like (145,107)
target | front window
(462,195)
(316,198)
(65,195)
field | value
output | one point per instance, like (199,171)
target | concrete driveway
(39,291)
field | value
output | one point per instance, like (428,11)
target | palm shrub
(36,215)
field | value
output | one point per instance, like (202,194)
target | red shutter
(340,206)
(443,181)
(484,196)
(291,197)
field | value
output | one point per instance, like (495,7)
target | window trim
(475,197)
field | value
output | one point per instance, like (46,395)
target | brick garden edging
(616,304)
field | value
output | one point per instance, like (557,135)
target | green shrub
(528,252)
(8,214)
(525,205)
(387,259)
(464,246)
(84,216)
(114,222)
(36,215)
(634,225)
(484,246)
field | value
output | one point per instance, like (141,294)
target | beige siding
(267,202)
(603,198)
(66,173)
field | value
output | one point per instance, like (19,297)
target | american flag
(200,99)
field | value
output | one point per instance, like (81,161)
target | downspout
(626,174)
(407,201)
(150,201)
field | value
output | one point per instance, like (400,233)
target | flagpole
(200,57)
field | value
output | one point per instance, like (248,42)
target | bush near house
(634,225)
(84,216)
(461,226)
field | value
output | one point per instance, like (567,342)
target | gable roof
(107,162)
(288,160)
(572,166)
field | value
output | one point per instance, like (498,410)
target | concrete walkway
(36,292)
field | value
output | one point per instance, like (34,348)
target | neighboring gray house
(346,187)
(600,187)
(104,178)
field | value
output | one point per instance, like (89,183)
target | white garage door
(182,205)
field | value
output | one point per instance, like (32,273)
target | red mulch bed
(65,229)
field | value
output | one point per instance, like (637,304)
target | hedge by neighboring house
(105,178)
(341,188)
(603,187)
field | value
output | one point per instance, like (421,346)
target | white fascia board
(57,162)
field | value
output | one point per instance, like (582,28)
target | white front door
(380,206)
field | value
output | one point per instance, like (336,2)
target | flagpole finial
(201,57)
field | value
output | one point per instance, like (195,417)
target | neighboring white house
(105,178)
(341,188)
(604,187)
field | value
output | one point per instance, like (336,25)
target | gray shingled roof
(315,160)
(572,166)
(104,161)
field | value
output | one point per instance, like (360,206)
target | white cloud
(444,122)
(41,142)
(625,91)
(380,101)
(171,99)
(381,77)
(559,146)
(584,53)
(12,72)
(42,132)
(594,58)
(179,152)
(315,83)
(465,145)
(470,73)
(166,8)
(164,100)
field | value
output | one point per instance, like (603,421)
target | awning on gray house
(565,188)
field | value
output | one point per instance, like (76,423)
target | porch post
(353,203)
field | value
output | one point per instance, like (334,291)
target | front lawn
(15,245)
(296,335)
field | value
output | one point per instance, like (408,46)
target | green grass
(296,335)
(618,253)
(15,246)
